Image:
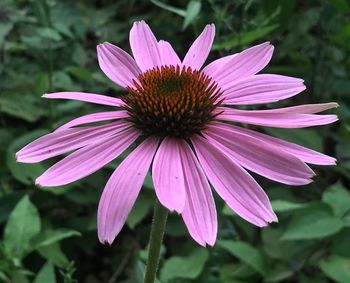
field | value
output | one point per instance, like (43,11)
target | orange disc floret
(174,101)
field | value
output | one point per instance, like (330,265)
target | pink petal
(234,185)
(274,119)
(144,46)
(217,65)
(199,51)
(87,97)
(259,157)
(168,54)
(303,153)
(168,176)
(87,160)
(244,64)
(63,141)
(117,65)
(263,88)
(199,213)
(122,189)
(95,117)
(304,109)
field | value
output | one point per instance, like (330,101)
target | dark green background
(49,235)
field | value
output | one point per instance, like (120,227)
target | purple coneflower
(183,115)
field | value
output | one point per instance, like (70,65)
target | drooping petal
(265,88)
(168,176)
(305,154)
(274,119)
(63,141)
(199,51)
(122,189)
(199,213)
(303,109)
(259,157)
(117,65)
(87,97)
(234,185)
(144,46)
(168,54)
(87,160)
(95,117)
(244,64)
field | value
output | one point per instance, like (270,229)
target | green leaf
(49,237)
(46,274)
(245,252)
(278,273)
(5,28)
(338,198)
(184,267)
(140,210)
(336,268)
(49,33)
(284,205)
(21,107)
(341,244)
(7,203)
(341,5)
(22,226)
(169,8)
(314,222)
(192,11)
(245,38)
(54,253)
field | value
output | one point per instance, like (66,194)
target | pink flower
(182,116)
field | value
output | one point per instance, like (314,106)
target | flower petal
(244,64)
(303,109)
(87,160)
(63,141)
(144,46)
(95,117)
(87,97)
(199,213)
(274,119)
(259,157)
(265,88)
(117,65)
(303,153)
(122,189)
(168,176)
(199,51)
(217,64)
(234,185)
(168,54)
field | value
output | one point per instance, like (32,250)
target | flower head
(183,115)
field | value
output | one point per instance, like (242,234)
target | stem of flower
(157,232)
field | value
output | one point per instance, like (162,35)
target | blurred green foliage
(49,234)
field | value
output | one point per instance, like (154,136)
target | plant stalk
(156,237)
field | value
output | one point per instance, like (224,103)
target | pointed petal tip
(176,208)
(140,22)
(105,240)
(38,183)
(211,242)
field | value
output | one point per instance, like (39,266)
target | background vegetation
(49,234)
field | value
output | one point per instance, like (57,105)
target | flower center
(172,101)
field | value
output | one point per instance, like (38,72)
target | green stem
(157,232)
